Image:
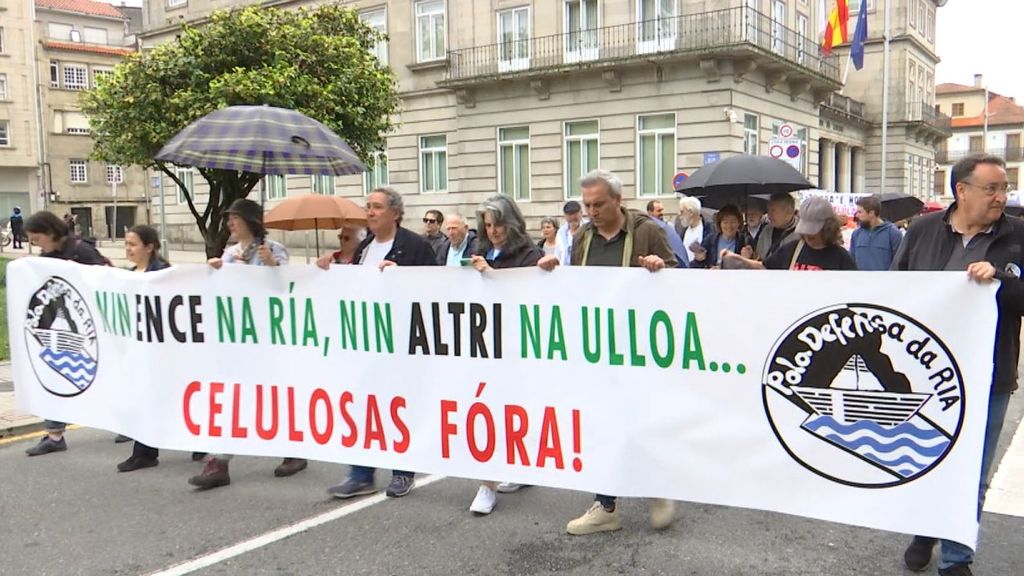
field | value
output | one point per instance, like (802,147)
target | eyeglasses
(991,189)
(429,221)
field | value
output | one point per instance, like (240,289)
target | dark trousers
(365,473)
(140,450)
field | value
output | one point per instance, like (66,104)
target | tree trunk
(224,189)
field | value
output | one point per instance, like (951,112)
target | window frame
(516,145)
(383,43)
(83,165)
(589,42)
(186,175)
(953,109)
(371,178)
(435,54)
(754,132)
(656,132)
(3,86)
(569,182)
(3,40)
(5,134)
(176,3)
(117,170)
(423,150)
(661,41)
(271,190)
(317,181)
(65,68)
(515,61)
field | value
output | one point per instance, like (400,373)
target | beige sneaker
(597,519)
(661,511)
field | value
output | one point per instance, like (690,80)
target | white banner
(843,203)
(851,397)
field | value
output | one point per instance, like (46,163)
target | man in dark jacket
(387,244)
(974,235)
(782,221)
(461,243)
(615,237)
(874,243)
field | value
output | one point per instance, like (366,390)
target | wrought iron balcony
(730,32)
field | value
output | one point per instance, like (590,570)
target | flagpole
(885,98)
(846,72)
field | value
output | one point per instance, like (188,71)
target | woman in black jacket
(142,248)
(503,242)
(54,240)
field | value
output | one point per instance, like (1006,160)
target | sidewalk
(13,422)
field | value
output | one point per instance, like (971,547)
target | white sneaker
(661,512)
(595,520)
(510,487)
(484,501)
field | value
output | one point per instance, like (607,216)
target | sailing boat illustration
(857,414)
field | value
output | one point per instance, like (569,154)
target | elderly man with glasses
(974,235)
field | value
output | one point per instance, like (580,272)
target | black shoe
(351,488)
(290,466)
(136,463)
(47,445)
(919,553)
(958,569)
(121,439)
(399,486)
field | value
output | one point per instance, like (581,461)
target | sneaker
(958,569)
(47,445)
(661,512)
(597,519)
(510,487)
(919,553)
(399,486)
(214,474)
(351,488)
(135,463)
(290,466)
(484,502)
(121,439)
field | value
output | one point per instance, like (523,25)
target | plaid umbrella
(261,140)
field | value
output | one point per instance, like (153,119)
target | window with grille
(79,172)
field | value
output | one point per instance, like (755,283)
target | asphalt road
(71,513)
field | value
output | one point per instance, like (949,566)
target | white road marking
(1006,494)
(262,540)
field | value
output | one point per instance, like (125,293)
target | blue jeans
(365,473)
(954,552)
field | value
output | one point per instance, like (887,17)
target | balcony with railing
(738,34)
(1010,154)
(844,108)
(922,118)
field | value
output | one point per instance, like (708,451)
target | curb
(21,429)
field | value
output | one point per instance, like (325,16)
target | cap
(571,207)
(814,212)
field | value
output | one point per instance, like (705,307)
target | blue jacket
(874,248)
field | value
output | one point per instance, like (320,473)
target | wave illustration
(904,450)
(77,368)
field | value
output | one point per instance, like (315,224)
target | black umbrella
(898,206)
(732,180)
(717,202)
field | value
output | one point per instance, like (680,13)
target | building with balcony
(1001,135)
(79,42)
(523,97)
(19,132)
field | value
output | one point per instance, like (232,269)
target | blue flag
(860,36)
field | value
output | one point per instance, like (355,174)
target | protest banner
(850,397)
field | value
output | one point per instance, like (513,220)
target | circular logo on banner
(793,151)
(61,338)
(863,395)
(775,151)
(786,131)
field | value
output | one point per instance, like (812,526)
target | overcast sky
(982,37)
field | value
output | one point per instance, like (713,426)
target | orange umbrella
(315,211)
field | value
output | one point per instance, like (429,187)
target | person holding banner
(349,237)
(142,248)
(55,240)
(388,244)
(504,244)
(615,237)
(245,221)
(975,235)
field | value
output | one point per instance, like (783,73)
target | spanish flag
(835,30)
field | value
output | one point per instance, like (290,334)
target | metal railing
(1010,154)
(924,113)
(701,33)
(844,105)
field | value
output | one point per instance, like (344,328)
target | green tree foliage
(317,61)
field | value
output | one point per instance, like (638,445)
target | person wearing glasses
(349,237)
(974,235)
(432,221)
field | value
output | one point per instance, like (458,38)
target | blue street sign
(711,157)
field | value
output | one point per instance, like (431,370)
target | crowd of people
(973,235)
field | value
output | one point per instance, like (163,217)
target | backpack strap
(796,254)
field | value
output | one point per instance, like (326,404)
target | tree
(318,61)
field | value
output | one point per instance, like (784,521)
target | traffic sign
(678,180)
(711,157)
(786,131)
